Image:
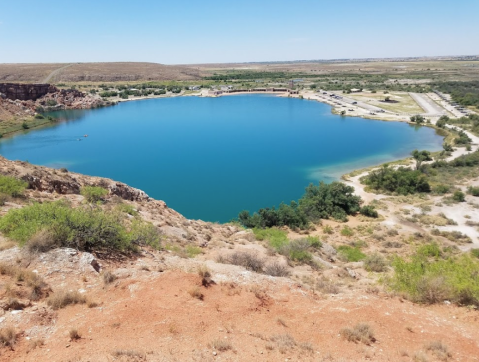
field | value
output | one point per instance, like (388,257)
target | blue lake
(209,158)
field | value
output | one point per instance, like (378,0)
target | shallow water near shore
(209,158)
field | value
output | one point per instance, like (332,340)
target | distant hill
(94,72)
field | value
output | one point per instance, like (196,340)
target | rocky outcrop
(63,182)
(69,99)
(26,92)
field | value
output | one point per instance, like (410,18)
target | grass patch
(432,276)
(276,237)
(351,254)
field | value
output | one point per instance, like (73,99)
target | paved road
(55,72)
(430,107)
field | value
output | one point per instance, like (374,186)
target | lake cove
(209,158)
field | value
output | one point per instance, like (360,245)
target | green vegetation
(369,211)
(11,186)
(432,276)
(82,228)
(335,200)
(459,196)
(473,190)
(350,253)
(93,193)
(417,119)
(420,157)
(465,93)
(276,237)
(402,181)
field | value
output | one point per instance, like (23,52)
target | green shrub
(403,180)
(82,228)
(351,254)
(25,125)
(441,189)
(39,116)
(459,196)
(475,253)
(335,200)
(369,211)
(314,242)
(427,279)
(473,190)
(93,193)
(12,186)
(347,231)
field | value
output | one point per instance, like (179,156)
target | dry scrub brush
(8,337)
(361,332)
(63,298)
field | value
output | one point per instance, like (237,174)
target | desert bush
(74,335)
(375,263)
(62,298)
(205,276)
(8,337)
(392,244)
(439,349)
(11,186)
(108,277)
(351,254)
(327,286)
(221,345)
(361,332)
(249,260)
(277,269)
(93,193)
(196,293)
(42,241)
(283,341)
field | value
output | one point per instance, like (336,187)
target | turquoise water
(209,158)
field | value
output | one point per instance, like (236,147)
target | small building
(194,87)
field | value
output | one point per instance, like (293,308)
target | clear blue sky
(209,31)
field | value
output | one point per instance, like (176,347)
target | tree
(420,157)
(387,99)
(417,118)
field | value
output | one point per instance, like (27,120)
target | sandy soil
(148,315)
